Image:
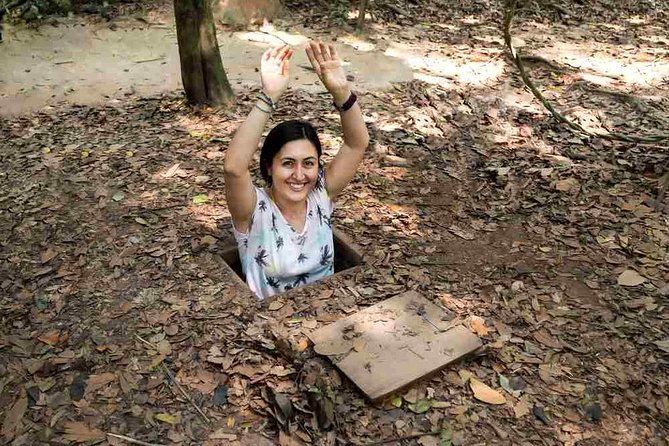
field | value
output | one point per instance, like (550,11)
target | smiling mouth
(297,187)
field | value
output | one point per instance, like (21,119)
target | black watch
(348,104)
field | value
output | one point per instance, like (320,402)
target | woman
(284,232)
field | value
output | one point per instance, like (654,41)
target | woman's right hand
(274,70)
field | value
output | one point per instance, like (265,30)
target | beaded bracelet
(269,112)
(266,99)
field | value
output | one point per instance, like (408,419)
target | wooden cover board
(389,345)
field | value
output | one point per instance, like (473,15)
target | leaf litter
(554,242)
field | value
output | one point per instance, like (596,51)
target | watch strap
(348,104)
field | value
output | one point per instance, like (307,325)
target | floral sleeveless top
(274,257)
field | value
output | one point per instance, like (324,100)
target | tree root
(551,64)
(638,103)
(509,14)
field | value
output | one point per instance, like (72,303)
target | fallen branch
(185,394)
(538,59)
(176,383)
(153,346)
(132,440)
(509,14)
(639,103)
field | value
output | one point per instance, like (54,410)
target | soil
(118,317)
(82,62)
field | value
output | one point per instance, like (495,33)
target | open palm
(275,70)
(328,67)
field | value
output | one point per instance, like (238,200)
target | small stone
(78,387)
(594,412)
(220,395)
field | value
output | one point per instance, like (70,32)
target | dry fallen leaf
(169,173)
(503,329)
(166,418)
(220,434)
(48,255)
(53,337)
(484,393)
(462,233)
(567,185)
(465,375)
(288,440)
(164,347)
(171,329)
(311,324)
(302,345)
(275,305)
(663,345)
(248,370)
(521,409)
(630,278)
(79,432)
(546,339)
(477,325)
(96,382)
(428,440)
(12,425)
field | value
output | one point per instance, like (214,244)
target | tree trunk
(362,10)
(202,70)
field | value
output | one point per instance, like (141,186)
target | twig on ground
(132,440)
(273,35)
(509,14)
(641,104)
(259,378)
(538,59)
(184,393)
(146,342)
(149,60)
(176,383)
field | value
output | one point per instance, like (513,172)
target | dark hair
(281,134)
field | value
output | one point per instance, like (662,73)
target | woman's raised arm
(239,191)
(342,168)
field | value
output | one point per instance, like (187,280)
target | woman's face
(294,170)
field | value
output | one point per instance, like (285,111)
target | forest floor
(118,318)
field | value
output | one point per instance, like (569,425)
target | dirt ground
(120,323)
(81,62)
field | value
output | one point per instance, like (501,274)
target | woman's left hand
(328,67)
